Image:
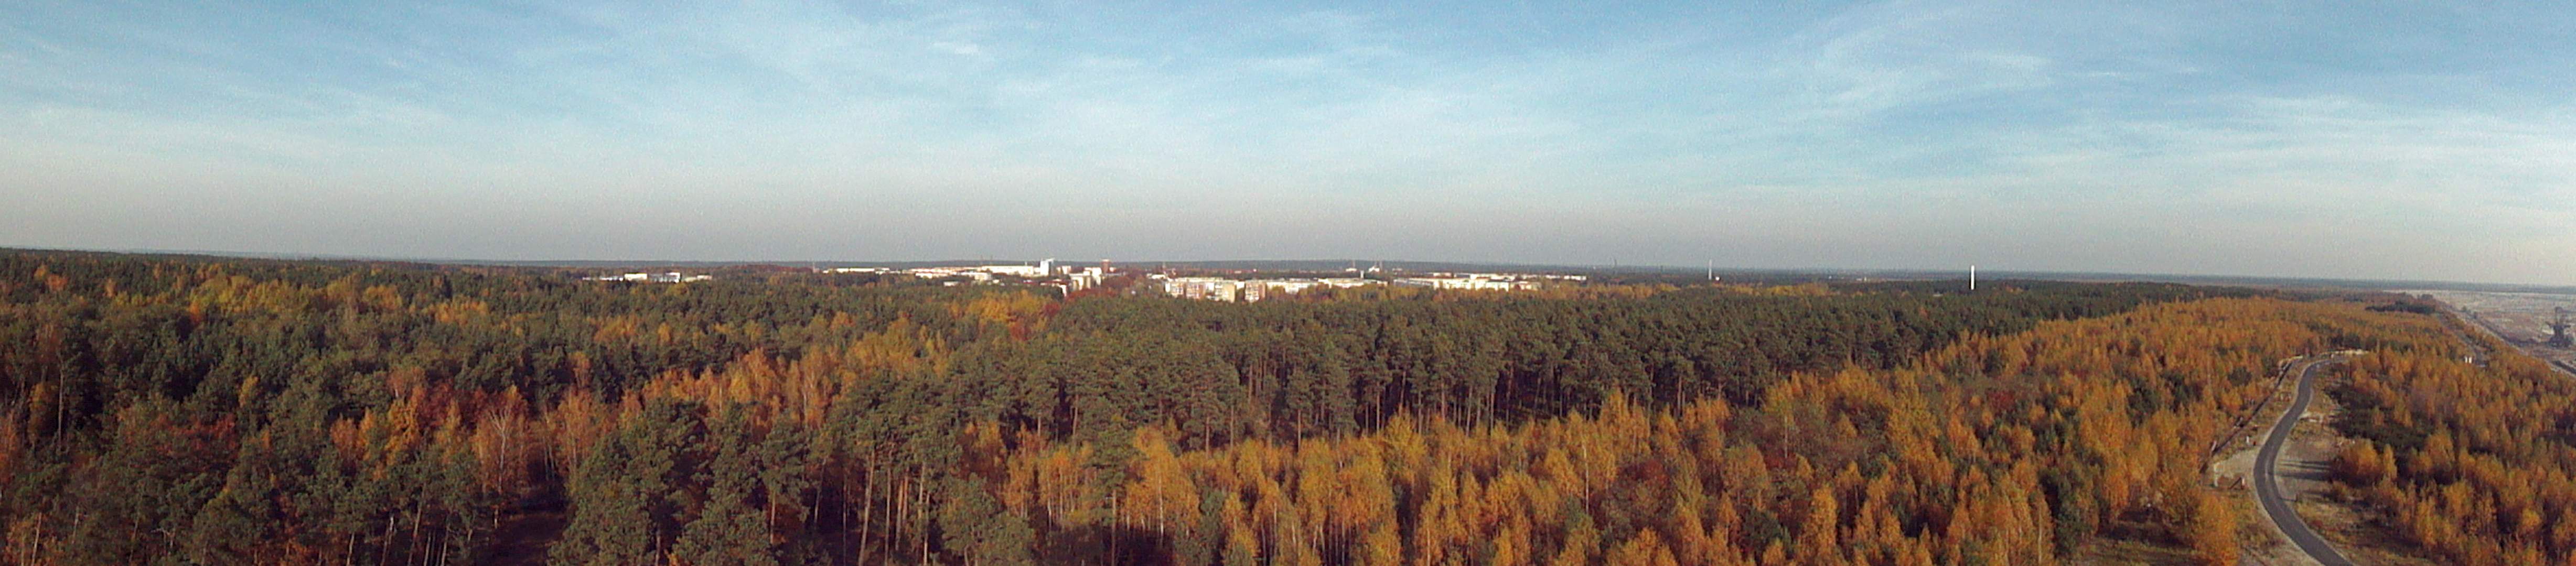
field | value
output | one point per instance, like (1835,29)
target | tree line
(196,410)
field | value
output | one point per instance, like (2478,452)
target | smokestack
(1972,278)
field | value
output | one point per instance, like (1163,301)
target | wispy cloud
(1912,133)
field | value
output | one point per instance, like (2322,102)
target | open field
(2521,319)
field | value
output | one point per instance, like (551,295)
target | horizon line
(2068,275)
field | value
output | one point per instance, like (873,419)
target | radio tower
(2558,329)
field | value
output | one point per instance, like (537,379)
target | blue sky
(2378,140)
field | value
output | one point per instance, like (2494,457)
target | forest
(174,409)
(2471,458)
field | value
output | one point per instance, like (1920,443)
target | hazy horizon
(1988,272)
(2305,140)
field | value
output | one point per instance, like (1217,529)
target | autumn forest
(191,410)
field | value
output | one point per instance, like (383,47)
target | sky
(2382,140)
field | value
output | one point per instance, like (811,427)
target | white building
(1470,282)
(666,277)
(1031,271)
(1259,289)
(1204,288)
(1086,278)
(974,273)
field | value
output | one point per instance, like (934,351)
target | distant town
(1199,285)
(672,277)
(1238,285)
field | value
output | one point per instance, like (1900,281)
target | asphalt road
(2267,488)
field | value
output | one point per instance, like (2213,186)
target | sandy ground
(2305,476)
(2302,466)
(2341,522)
(2519,318)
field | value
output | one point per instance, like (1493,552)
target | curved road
(2267,487)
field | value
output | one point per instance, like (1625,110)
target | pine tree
(728,529)
(979,531)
